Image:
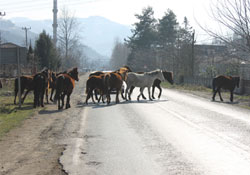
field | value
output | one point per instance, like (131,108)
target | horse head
(168,76)
(74,73)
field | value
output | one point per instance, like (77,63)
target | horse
(65,84)
(1,86)
(52,83)
(97,73)
(40,84)
(26,83)
(157,83)
(143,80)
(113,80)
(123,71)
(95,82)
(225,82)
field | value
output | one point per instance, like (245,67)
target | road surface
(178,134)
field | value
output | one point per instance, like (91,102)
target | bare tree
(232,15)
(68,36)
(119,55)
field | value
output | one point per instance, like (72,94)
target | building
(8,59)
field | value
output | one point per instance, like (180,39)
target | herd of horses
(123,81)
(40,83)
(102,84)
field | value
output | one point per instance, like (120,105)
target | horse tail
(106,80)
(87,86)
(214,84)
(16,86)
(59,87)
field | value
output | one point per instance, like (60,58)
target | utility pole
(192,62)
(55,25)
(26,38)
(1,15)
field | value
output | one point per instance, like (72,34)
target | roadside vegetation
(11,115)
(239,100)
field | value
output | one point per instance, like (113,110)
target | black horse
(225,82)
(40,84)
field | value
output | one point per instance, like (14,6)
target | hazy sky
(121,11)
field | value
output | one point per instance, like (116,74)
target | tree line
(157,43)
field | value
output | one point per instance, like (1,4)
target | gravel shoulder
(35,146)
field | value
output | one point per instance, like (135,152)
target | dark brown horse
(65,84)
(112,81)
(26,83)
(96,83)
(97,73)
(225,82)
(157,83)
(40,84)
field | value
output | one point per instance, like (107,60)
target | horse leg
(138,97)
(153,91)
(96,94)
(214,94)
(15,97)
(51,94)
(160,89)
(62,98)
(87,98)
(91,94)
(42,97)
(47,95)
(58,101)
(28,90)
(143,95)
(117,95)
(220,95)
(231,96)
(68,101)
(126,93)
(149,95)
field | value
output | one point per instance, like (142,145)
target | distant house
(8,59)
(218,56)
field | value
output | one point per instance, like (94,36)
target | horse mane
(154,72)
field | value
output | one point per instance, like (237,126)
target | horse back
(225,82)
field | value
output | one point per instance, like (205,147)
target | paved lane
(179,134)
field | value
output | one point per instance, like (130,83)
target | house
(9,59)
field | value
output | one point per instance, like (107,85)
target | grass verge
(11,115)
(239,100)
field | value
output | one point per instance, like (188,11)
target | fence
(207,82)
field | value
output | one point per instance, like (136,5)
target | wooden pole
(19,81)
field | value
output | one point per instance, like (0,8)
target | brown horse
(157,83)
(112,81)
(96,83)
(124,72)
(225,82)
(26,83)
(40,84)
(97,73)
(65,84)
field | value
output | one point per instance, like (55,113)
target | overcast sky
(121,11)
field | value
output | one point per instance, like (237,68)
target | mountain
(96,32)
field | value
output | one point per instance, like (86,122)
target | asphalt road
(178,134)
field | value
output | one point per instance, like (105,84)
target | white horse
(142,80)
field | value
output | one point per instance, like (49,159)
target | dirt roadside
(35,147)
